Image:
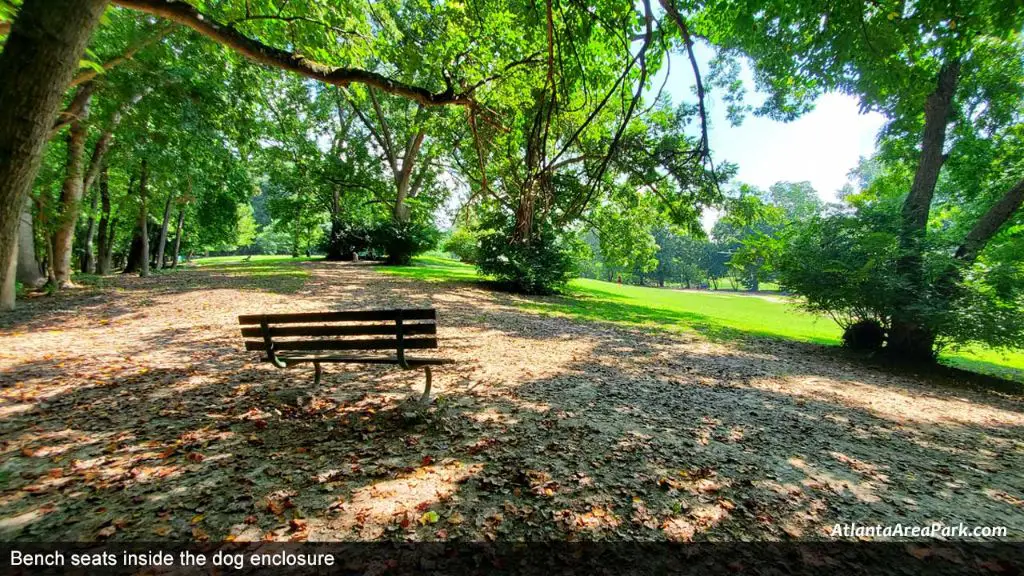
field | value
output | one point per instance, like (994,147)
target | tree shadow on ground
(547,428)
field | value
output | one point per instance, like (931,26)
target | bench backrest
(313,331)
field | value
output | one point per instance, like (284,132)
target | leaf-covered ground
(131,411)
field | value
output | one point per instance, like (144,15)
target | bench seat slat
(346,316)
(290,359)
(341,330)
(368,344)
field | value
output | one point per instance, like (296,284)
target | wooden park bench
(340,337)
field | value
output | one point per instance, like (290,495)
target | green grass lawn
(258,259)
(714,314)
(272,272)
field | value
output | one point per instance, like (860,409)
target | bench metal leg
(425,399)
(316,374)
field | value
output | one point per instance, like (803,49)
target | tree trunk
(111,237)
(177,237)
(88,261)
(297,234)
(403,178)
(143,222)
(911,341)
(133,261)
(335,250)
(50,278)
(106,232)
(909,338)
(9,287)
(70,197)
(28,265)
(39,58)
(162,242)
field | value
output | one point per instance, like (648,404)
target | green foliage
(844,266)
(245,226)
(624,237)
(798,201)
(866,335)
(463,244)
(400,241)
(348,239)
(272,240)
(751,229)
(541,267)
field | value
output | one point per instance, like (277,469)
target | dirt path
(133,412)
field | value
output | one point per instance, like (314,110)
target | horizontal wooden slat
(346,316)
(368,344)
(341,330)
(357,360)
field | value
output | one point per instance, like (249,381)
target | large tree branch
(103,144)
(989,224)
(673,12)
(129,53)
(423,168)
(75,108)
(385,145)
(385,133)
(578,206)
(187,15)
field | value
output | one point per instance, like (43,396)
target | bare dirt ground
(132,412)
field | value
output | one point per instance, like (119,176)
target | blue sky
(820,147)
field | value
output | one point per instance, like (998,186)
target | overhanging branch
(187,15)
(129,52)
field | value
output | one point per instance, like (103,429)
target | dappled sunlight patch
(593,519)
(35,390)
(37,444)
(1004,497)
(13,523)
(402,501)
(892,403)
(493,416)
(703,517)
(11,409)
(861,467)
(818,479)
(182,386)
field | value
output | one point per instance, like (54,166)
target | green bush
(542,266)
(866,335)
(348,239)
(398,242)
(463,244)
(843,266)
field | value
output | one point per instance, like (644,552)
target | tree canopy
(347,128)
